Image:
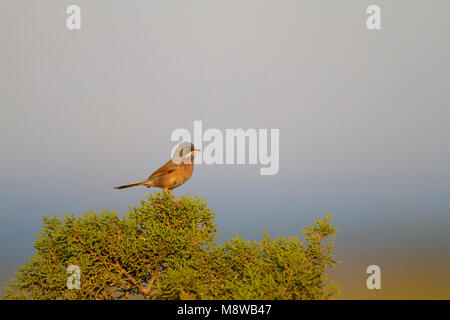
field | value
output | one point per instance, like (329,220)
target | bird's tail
(133,184)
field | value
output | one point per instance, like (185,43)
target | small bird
(174,173)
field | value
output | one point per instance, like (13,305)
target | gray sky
(363,115)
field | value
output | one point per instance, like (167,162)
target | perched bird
(174,173)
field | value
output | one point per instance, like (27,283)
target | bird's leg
(170,192)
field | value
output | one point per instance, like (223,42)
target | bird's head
(185,153)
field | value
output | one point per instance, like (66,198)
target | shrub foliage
(167,249)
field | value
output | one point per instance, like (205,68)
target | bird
(173,173)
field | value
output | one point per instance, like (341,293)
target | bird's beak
(193,152)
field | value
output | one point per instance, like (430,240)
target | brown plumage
(173,174)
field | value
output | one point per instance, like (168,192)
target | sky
(362,115)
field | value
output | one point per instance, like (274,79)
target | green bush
(166,249)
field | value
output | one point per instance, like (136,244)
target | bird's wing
(165,169)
